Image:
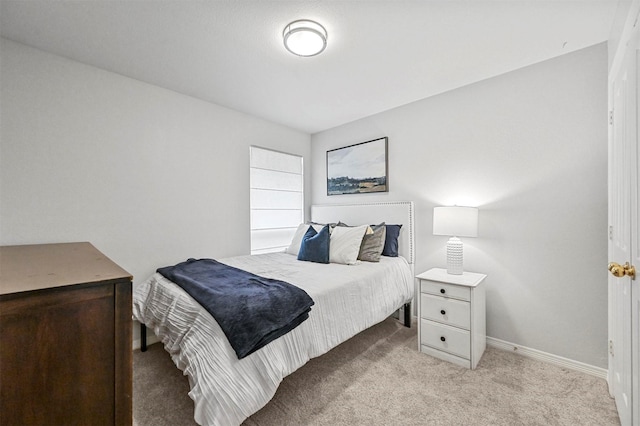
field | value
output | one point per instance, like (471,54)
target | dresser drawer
(446,338)
(447,290)
(445,310)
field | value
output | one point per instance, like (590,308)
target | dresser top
(41,266)
(469,279)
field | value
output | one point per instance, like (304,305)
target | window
(277,199)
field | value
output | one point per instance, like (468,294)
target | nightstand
(451,313)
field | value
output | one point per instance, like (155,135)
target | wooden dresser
(65,337)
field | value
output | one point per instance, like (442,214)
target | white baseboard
(547,357)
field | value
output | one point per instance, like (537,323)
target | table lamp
(455,222)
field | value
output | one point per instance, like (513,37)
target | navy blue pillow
(391,243)
(315,245)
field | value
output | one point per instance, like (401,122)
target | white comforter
(225,390)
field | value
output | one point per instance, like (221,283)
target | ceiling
(380,54)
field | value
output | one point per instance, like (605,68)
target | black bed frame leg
(143,337)
(407,315)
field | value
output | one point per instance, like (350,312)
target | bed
(347,300)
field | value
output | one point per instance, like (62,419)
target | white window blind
(277,199)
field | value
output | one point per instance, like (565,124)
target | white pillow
(294,247)
(344,244)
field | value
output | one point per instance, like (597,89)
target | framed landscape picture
(358,169)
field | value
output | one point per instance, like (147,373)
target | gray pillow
(373,244)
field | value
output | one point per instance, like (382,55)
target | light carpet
(379,378)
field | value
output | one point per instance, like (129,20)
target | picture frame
(361,168)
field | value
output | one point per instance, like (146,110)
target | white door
(635,239)
(623,237)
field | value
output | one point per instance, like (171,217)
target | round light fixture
(305,37)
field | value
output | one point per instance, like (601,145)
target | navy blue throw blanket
(251,310)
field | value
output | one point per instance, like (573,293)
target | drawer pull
(442,338)
(442,290)
(443,312)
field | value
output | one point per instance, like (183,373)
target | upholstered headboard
(392,212)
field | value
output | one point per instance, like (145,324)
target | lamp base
(454,256)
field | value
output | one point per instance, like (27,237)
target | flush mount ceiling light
(305,37)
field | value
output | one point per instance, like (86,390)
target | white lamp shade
(455,221)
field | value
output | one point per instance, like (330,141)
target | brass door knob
(630,270)
(616,269)
(620,271)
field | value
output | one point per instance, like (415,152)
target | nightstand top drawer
(445,290)
(468,279)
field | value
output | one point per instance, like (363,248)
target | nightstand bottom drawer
(445,338)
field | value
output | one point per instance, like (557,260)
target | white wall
(147,175)
(529,148)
